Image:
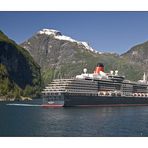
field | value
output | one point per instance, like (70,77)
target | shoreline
(22,98)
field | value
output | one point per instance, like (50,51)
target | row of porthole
(140,95)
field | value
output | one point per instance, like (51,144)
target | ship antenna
(144,77)
(55,75)
(60,74)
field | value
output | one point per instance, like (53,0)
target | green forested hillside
(19,74)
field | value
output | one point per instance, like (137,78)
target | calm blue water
(87,121)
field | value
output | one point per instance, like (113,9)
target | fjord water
(34,120)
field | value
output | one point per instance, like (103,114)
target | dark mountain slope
(17,66)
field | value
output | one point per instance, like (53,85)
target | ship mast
(144,78)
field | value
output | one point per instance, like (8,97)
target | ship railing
(62,87)
(73,84)
(54,90)
(71,89)
(70,92)
(67,84)
(86,91)
(75,88)
(72,80)
(63,80)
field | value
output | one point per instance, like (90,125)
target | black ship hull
(80,100)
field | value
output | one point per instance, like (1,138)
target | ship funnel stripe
(100,65)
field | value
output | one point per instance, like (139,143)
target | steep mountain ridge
(139,56)
(138,53)
(53,48)
(18,69)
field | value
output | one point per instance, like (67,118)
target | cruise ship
(96,89)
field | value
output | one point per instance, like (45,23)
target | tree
(28,91)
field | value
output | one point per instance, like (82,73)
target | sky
(104,31)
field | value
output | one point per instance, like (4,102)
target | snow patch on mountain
(87,46)
(66,38)
(58,35)
(48,32)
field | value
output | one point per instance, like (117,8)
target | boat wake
(27,105)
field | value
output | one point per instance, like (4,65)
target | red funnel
(100,67)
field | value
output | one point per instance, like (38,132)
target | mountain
(138,53)
(19,74)
(61,56)
(50,48)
